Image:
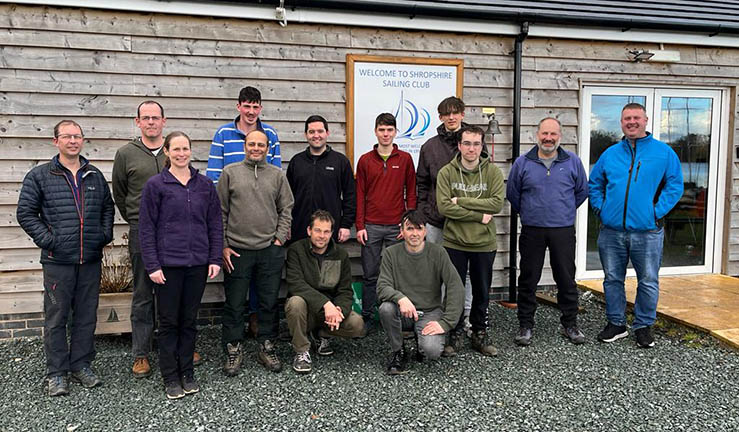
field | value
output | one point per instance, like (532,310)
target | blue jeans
(644,248)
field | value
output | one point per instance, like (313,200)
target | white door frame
(717,171)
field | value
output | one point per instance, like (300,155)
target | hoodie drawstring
(479,173)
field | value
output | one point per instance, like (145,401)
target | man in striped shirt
(228,142)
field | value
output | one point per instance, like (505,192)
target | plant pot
(114,313)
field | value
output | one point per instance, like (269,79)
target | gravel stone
(548,386)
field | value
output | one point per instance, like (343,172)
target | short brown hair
(322,215)
(634,105)
(450,105)
(66,122)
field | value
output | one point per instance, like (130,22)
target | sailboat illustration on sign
(412,121)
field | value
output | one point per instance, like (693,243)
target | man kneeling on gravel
(319,281)
(410,289)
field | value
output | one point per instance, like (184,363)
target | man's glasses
(66,137)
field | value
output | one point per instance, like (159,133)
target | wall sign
(408,87)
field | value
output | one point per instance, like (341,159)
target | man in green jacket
(469,191)
(410,289)
(133,165)
(319,279)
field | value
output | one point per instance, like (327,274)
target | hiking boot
(398,363)
(612,333)
(57,385)
(573,334)
(268,357)
(234,357)
(523,338)
(454,344)
(196,359)
(302,363)
(480,343)
(174,390)
(86,377)
(189,385)
(141,367)
(644,337)
(369,328)
(323,346)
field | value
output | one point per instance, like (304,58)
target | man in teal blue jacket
(633,186)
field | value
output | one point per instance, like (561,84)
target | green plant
(116,275)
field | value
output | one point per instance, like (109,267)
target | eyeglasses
(65,137)
(471,143)
(148,118)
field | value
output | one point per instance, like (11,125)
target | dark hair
(66,122)
(168,140)
(149,102)
(385,119)
(549,118)
(450,105)
(250,94)
(476,130)
(414,217)
(322,215)
(316,118)
(634,105)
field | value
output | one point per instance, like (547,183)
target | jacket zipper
(636,177)
(628,184)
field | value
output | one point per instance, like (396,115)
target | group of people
(422,232)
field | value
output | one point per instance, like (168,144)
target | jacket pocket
(330,273)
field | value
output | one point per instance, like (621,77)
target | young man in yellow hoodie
(469,191)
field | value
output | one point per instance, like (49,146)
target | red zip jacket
(385,189)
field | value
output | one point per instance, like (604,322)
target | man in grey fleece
(133,165)
(410,289)
(256,203)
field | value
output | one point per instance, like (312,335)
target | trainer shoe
(369,328)
(398,363)
(523,338)
(174,390)
(573,334)
(189,385)
(141,367)
(323,346)
(57,385)
(86,377)
(480,343)
(644,337)
(612,333)
(268,357)
(196,359)
(302,363)
(234,358)
(454,343)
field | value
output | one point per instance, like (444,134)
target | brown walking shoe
(196,359)
(141,367)
(480,343)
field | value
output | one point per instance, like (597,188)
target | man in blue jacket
(634,184)
(65,206)
(546,186)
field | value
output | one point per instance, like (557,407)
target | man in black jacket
(321,178)
(66,207)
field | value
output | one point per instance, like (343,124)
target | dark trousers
(481,277)
(378,236)
(70,291)
(179,300)
(265,267)
(533,244)
(142,301)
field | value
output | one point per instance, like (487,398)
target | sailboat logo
(412,120)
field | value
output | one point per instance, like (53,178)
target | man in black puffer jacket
(66,207)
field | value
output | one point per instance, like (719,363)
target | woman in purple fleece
(181,235)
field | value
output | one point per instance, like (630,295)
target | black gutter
(501,13)
(516,151)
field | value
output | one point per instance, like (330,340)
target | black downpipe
(513,248)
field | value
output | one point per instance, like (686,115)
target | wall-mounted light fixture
(640,55)
(657,56)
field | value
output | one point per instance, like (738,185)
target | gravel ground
(549,386)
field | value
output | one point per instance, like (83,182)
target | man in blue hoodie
(633,186)
(546,186)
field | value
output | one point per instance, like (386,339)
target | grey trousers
(142,301)
(436,235)
(377,237)
(394,324)
(301,321)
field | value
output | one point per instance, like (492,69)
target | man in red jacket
(386,188)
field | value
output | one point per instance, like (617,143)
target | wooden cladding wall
(96,66)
